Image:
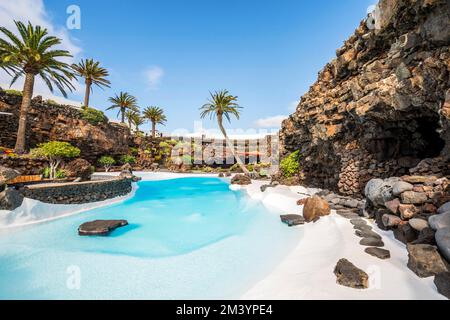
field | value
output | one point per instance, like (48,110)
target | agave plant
(92,73)
(156,116)
(222,104)
(123,102)
(30,54)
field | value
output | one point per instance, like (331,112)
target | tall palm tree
(32,54)
(222,104)
(156,116)
(124,102)
(134,118)
(92,73)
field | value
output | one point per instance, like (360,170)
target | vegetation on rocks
(107,162)
(290,165)
(55,152)
(93,116)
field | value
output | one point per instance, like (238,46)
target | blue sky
(171,53)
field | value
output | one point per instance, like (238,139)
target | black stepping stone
(292,219)
(371,242)
(382,254)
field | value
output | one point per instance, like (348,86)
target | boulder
(411,197)
(382,254)
(7,174)
(419,179)
(442,282)
(405,233)
(100,227)
(444,208)
(349,275)
(392,205)
(407,211)
(222,175)
(241,179)
(79,168)
(315,207)
(10,199)
(418,224)
(390,221)
(426,236)
(443,242)
(380,191)
(399,187)
(425,260)
(372,242)
(292,219)
(440,221)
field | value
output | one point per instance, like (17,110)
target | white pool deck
(307,272)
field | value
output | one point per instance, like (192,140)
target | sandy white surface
(307,272)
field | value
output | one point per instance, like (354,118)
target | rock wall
(382,105)
(47,122)
(79,193)
(26,166)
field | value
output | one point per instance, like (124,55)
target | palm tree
(156,116)
(92,74)
(124,102)
(32,54)
(222,104)
(134,118)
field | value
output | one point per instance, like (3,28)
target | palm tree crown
(156,116)
(134,119)
(124,102)
(91,71)
(223,104)
(32,53)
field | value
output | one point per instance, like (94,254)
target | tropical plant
(55,152)
(291,164)
(222,104)
(134,119)
(127,159)
(156,116)
(93,116)
(60,174)
(14,92)
(107,162)
(92,73)
(32,54)
(123,102)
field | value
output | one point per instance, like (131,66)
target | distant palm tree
(32,54)
(92,74)
(124,102)
(134,118)
(156,116)
(222,104)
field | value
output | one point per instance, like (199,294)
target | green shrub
(107,162)
(291,164)
(14,92)
(55,152)
(93,116)
(59,174)
(52,102)
(251,167)
(133,151)
(127,159)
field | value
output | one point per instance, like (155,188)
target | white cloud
(270,122)
(34,11)
(153,76)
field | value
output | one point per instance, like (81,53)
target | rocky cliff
(383,105)
(48,121)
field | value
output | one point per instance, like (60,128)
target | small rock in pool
(100,227)
(292,219)
(350,276)
(371,242)
(378,252)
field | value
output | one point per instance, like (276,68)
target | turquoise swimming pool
(187,238)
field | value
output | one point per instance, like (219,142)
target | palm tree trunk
(153,129)
(87,94)
(28,88)
(123,115)
(231,146)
